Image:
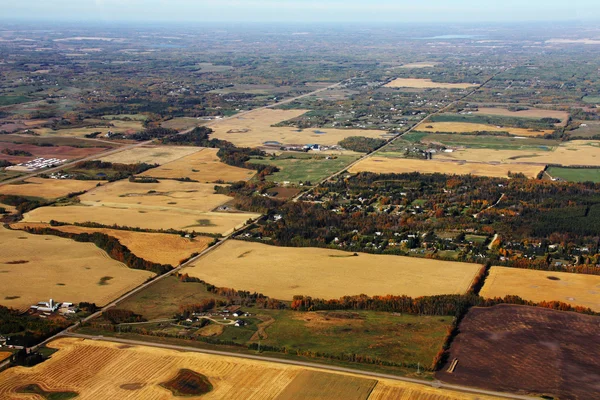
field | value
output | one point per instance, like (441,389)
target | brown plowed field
(527,350)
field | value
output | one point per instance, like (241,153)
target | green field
(10,100)
(486,141)
(162,299)
(575,174)
(302,167)
(591,99)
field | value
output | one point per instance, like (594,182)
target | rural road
(149,142)
(435,384)
(441,110)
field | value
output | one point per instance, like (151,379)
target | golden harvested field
(4,355)
(125,127)
(576,289)
(38,267)
(459,127)
(426,84)
(254,129)
(188,220)
(160,248)
(420,64)
(47,188)
(164,195)
(573,152)
(203,166)
(535,113)
(101,370)
(388,165)
(282,272)
(150,154)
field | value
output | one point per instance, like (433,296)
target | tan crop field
(255,128)
(47,188)
(101,369)
(203,166)
(160,248)
(535,113)
(420,64)
(389,165)
(188,220)
(575,289)
(182,123)
(426,84)
(460,127)
(125,127)
(37,267)
(150,154)
(164,195)
(282,272)
(4,355)
(573,152)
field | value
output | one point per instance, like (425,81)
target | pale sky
(302,10)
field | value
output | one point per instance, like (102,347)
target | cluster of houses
(38,163)
(233,313)
(47,308)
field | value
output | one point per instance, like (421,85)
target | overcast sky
(302,10)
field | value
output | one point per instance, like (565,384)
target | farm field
(420,64)
(575,174)
(458,127)
(575,289)
(426,84)
(182,123)
(150,154)
(586,129)
(484,141)
(188,220)
(121,371)
(47,188)
(164,195)
(387,165)
(38,267)
(255,129)
(301,167)
(202,166)
(574,152)
(60,152)
(124,127)
(535,113)
(502,348)
(162,299)
(326,273)
(161,248)
(124,117)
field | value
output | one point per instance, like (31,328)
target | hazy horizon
(301,11)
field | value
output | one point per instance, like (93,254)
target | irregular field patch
(161,248)
(77,267)
(388,165)
(527,350)
(166,194)
(60,152)
(575,174)
(535,113)
(136,372)
(124,127)
(150,154)
(459,127)
(202,166)
(282,272)
(255,128)
(575,289)
(426,84)
(47,188)
(572,153)
(188,220)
